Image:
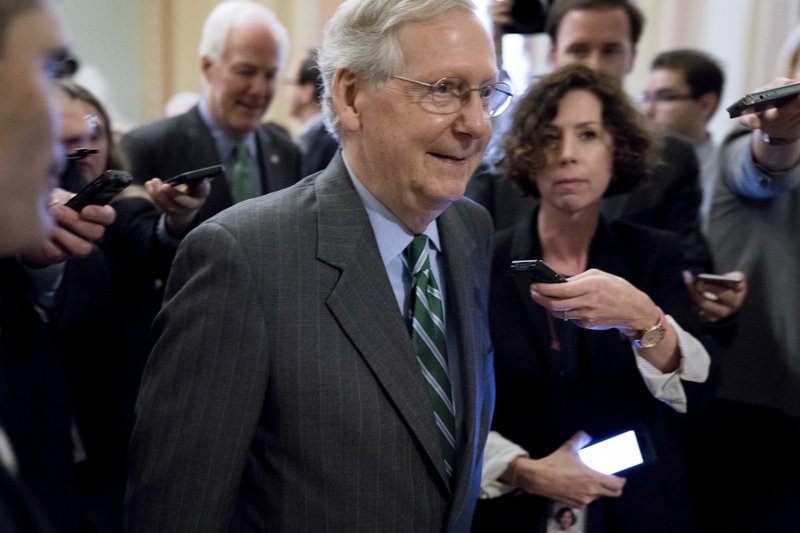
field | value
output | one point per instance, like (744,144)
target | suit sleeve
(683,210)
(201,394)
(135,147)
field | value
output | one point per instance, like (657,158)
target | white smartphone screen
(614,454)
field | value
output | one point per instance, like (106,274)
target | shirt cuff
(746,177)
(497,455)
(668,387)
(163,235)
(44,287)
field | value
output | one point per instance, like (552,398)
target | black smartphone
(81,153)
(193,177)
(537,271)
(761,100)
(101,190)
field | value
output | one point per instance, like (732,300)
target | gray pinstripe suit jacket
(283,393)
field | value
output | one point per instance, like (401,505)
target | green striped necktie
(243,184)
(428,339)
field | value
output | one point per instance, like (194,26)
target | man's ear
(346,86)
(205,67)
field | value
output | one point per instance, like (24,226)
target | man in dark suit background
(284,392)
(240,62)
(316,143)
(32,45)
(37,490)
(240,65)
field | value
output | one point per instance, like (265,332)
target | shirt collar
(224,142)
(391,235)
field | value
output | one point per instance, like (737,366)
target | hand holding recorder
(181,197)
(716,296)
(73,233)
(775,112)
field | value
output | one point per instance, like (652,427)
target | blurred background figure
(242,50)
(33,46)
(180,103)
(316,144)
(32,50)
(682,95)
(85,124)
(36,466)
(95,327)
(752,227)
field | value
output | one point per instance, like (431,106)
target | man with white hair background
(242,49)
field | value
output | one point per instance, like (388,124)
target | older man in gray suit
(291,388)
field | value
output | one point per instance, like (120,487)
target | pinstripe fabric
(284,394)
(428,339)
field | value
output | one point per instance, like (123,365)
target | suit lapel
(461,256)
(274,174)
(199,150)
(364,304)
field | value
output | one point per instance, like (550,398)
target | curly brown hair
(637,148)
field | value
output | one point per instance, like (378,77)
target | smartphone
(613,454)
(194,177)
(727,280)
(537,271)
(101,190)
(81,153)
(759,101)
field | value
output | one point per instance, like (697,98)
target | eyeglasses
(449,95)
(662,97)
(92,123)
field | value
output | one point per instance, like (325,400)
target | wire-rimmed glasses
(449,95)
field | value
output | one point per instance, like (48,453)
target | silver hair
(362,37)
(226,14)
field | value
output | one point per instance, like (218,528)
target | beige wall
(147,49)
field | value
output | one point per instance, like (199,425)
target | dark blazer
(182,143)
(34,405)
(544,396)
(669,200)
(283,393)
(163,149)
(318,147)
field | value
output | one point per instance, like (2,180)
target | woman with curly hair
(606,351)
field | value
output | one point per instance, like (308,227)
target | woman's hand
(597,300)
(562,476)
